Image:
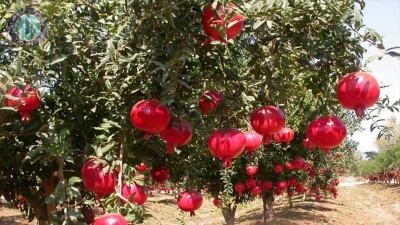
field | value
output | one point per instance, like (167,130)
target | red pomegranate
(290,193)
(217,202)
(88,215)
(266,185)
(253,141)
(358,91)
(338,155)
(95,180)
(292,182)
(326,132)
(276,138)
(281,184)
(159,173)
(278,191)
(149,117)
(278,168)
(308,144)
(239,187)
(251,170)
(289,166)
(255,190)
(227,145)
(211,24)
(141,167)
(209,101)
(267,120)
(286,135)
(250,182)
(299,188)
(266,140)
(297,163)
(139,193)
(317,198)
(189,201)
(28,100)
(179,133)
(110,219)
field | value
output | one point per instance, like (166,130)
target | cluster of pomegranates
(384,177)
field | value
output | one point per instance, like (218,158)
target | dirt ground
(358,203)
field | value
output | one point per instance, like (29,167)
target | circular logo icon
(27,27)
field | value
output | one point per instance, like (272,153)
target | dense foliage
(100,57)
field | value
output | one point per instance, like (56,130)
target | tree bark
(49,188)
(35,202)
(229,215)
(270,206)
(265,212)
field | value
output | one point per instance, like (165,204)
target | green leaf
(57,59)
(258,24)
(74,180)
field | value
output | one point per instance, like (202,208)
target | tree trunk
(270,206)
(49,188)
(290,203)
(35,202)
(265,212)
(229,215)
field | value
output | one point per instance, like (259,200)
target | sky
(384,17)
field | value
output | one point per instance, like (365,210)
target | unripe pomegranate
(141,167)
(267,120)
(255,190)
(298,163)
(179,133)
(211,23)
(209,101)
(189,201)
(139,193)
(250,182)
(217,202)
(253,141)
(278,168)
(276,138)
(95,180)
(147,116)
(110,219)
(28,101)
(358,91)
(292,182)
(281,184)
(159,173)
(239,187)
(227,145)
(251,170)
(326,132)
(286,135)
(308,144)
(266,185)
